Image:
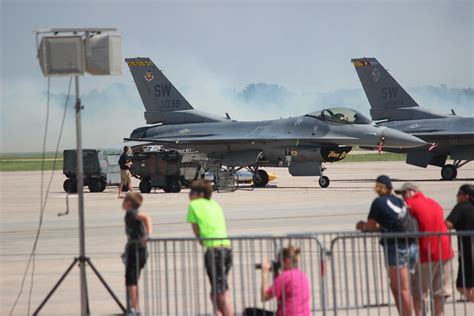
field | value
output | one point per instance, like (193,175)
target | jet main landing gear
(450,172)
(260,178)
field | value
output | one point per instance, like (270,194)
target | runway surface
(288,205)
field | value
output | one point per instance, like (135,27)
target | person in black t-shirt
(400,253)
(461,218)
(138,227)
(125,175)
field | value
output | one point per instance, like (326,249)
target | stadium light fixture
(74,52)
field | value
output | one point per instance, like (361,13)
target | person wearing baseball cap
(408,186)
(433,273)
(461,218)
(400,253)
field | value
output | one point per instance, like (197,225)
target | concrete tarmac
(288,205)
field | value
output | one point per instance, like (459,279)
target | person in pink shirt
(290,287)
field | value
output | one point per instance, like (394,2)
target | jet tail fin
(386,96)
(163,102)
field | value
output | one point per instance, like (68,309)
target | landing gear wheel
(103,186)
(449,172)
(324,182)
(70,185)
(174,186)
(145,186)
(94,186)
(260,179)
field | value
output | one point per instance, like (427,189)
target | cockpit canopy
(341,116)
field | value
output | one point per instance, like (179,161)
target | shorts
(218,262)
(435,276)
(125,176)
(397,255)
(135,261)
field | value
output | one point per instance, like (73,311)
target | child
(138,227)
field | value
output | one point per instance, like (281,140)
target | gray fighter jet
(300,143)
(393,107)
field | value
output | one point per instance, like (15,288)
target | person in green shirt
(208,223)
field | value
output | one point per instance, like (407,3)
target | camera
(275,266)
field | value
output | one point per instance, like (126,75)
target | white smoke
(111,113)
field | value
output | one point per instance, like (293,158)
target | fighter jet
(451,135)
(300,143)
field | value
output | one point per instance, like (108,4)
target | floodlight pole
(82,260)
(80,195)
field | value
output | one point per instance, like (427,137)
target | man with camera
(290,287)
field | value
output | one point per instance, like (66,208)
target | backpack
(407,224)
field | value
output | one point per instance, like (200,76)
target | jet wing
(443,135)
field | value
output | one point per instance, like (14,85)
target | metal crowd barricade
(359,283)
(174,280)
(346,270)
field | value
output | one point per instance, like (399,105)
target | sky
(213,50)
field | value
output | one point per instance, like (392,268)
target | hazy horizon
(258,60)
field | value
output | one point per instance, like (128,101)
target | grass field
(29,162)
(33,161)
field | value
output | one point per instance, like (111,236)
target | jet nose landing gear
(323,180)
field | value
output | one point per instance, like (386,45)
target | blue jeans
(400,255)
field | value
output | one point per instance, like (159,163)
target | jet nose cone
(396,139)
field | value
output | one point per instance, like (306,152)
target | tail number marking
(389,92)
(170,104)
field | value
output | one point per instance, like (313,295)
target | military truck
(158,169)
(100,169)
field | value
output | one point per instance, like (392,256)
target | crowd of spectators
(415,240)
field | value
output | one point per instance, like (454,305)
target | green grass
(26,164)
(48,155)
(32,162)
